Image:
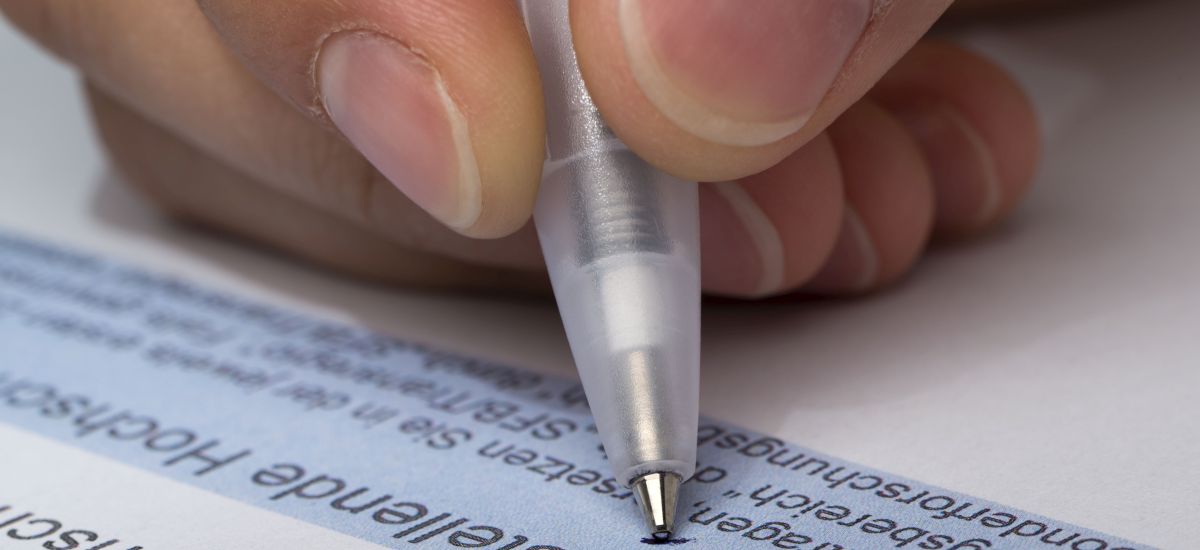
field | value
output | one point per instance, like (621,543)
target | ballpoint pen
(620,240)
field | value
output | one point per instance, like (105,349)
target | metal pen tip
(656,494)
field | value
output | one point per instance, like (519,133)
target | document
(142,412)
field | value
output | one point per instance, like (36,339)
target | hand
(402,140)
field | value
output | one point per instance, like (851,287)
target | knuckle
(52,23)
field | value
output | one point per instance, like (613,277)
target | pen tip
(656,494)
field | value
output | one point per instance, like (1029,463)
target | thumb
(441,96)
(719,89)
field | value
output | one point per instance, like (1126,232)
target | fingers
(977,130)
(946,143)
(768,233)
(945,136)
(848,212)
(889,203)
(441,97)
(719,89)
(196,188)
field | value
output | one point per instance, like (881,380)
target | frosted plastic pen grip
(620,242)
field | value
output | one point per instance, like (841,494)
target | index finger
(442,96)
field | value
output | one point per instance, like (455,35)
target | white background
(1052,366)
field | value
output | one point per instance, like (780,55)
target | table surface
(1051,366)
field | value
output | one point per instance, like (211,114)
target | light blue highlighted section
(403,445)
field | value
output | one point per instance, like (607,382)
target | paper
(138,411)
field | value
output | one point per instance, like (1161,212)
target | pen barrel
(620,240)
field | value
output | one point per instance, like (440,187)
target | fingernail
(965,179)
(394,107)
(736,72)
(853,265)
(746,256)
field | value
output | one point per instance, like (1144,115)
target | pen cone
(656,495)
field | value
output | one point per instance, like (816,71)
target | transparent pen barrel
(620,242)
(624,270)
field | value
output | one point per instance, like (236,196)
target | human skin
(402,141)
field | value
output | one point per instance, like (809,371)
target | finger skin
(193,88)
(895,181)
(190,74)
(893,28)
(195,188)
(768,233)
(984,132)
(480,49)
(192,186)
(889,197)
